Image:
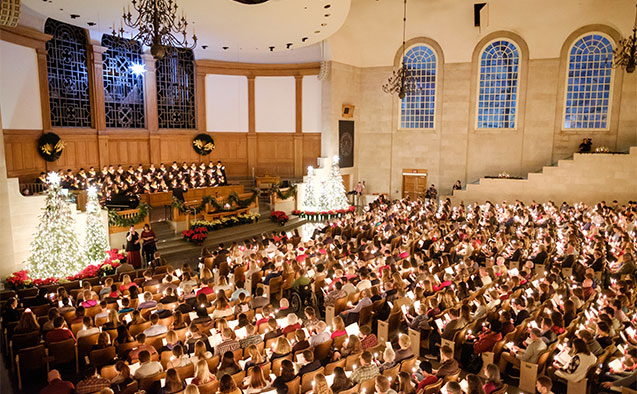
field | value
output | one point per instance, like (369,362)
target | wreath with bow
(50,146)
(203,144)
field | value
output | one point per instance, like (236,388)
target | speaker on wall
(348,111)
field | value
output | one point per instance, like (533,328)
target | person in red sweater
(58,333)
(57,385)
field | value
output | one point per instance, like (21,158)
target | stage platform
(177,251)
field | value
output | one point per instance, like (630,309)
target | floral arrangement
(323,215)
(21,279)
(227,221)
(279,217)
(602,149)
(196,235)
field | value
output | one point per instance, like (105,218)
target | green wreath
(284,195)
(233,200)
(50,146)
(115,220)
(203,144)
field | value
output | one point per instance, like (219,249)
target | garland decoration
(322,215)
(114,219)
(50,146)
(233,202)
(203,144)
(291,191)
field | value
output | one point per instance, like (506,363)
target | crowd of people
(114,181)
(524,283)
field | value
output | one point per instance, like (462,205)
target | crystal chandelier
(402,80)
(159,27)
(625,55)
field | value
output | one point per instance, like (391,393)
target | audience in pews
(484,289)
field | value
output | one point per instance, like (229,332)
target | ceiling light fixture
(401,81)
(625,55)
(158,26)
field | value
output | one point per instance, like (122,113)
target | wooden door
(414,183)
(346,183)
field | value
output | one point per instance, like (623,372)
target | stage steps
(175,250)
(588,178)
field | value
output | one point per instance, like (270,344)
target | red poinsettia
(279,217)
(197,235)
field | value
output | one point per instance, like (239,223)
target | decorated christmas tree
(96,243)
(333,195)
(55,250)
(309,196)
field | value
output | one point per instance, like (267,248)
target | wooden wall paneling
(275,154)
(311,149)
(232,150)
(21,155)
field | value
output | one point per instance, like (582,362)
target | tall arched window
(66,64)
(417,109)
(123,89)
(498,85)
(176,90)
(588,83)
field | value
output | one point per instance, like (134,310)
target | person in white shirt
(530,354)
(364,283)
(88,328)
(582,360)
(147,367)
(321,335)
(155,328)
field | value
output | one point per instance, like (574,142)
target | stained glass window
(67,68)
(588,85)
(417,109)
(176,90)
(123,89)
(498,85)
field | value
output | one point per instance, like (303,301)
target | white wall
(226,103)
(19,87)
(372,33)
(275,104)
(312,96)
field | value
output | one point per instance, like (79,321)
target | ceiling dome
(240,26)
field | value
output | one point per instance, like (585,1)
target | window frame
(518,86)
(565,85)
(437,69)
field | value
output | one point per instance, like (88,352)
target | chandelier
(402,81)
(625,55)
(159,27)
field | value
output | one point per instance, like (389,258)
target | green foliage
(96,243)
(116,220)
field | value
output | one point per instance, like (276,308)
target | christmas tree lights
(55,250)
(96,243)
(333,195)
(309,197)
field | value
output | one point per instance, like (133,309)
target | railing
(29,189)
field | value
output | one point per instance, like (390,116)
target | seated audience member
(341,381)
(256,381)
(259,301)
(310,363)
(56,384)
(142,346)
(427,376)
(273,329)
(293,324)
(544,385)
(123,377)
(227,385)
(492,375)
(58,333)
(581,361)
(155,329)
(178,359)
(227,366)
(88,328)
(368,339)
(147,367)
(382,385)
(92,381)
(148,302)
(448,365)
(530,354)
(367,369)
(173,383)
(389,359)
(321,335)
(281,349)
(405,350)
(203,375)
(27,323)
(301,341)
(252,337)
(228,343)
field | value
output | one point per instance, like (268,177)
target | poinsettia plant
(279,217)
(196,235)
(21,279)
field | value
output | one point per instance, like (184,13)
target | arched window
(498,85)
(123,89)
(588,83)
(66,64)
(176,90)
(417,109)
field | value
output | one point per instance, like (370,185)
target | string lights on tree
(309,197)
(96,243)
(333,196)
(55,250)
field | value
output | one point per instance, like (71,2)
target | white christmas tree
(55,250)
(96,243)
(333,195)
(309,197)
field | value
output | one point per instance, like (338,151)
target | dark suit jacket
(519,318)
(451,328)
(449,367)
(313,366)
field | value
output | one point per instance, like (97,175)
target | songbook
(353,329)
(564,358)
